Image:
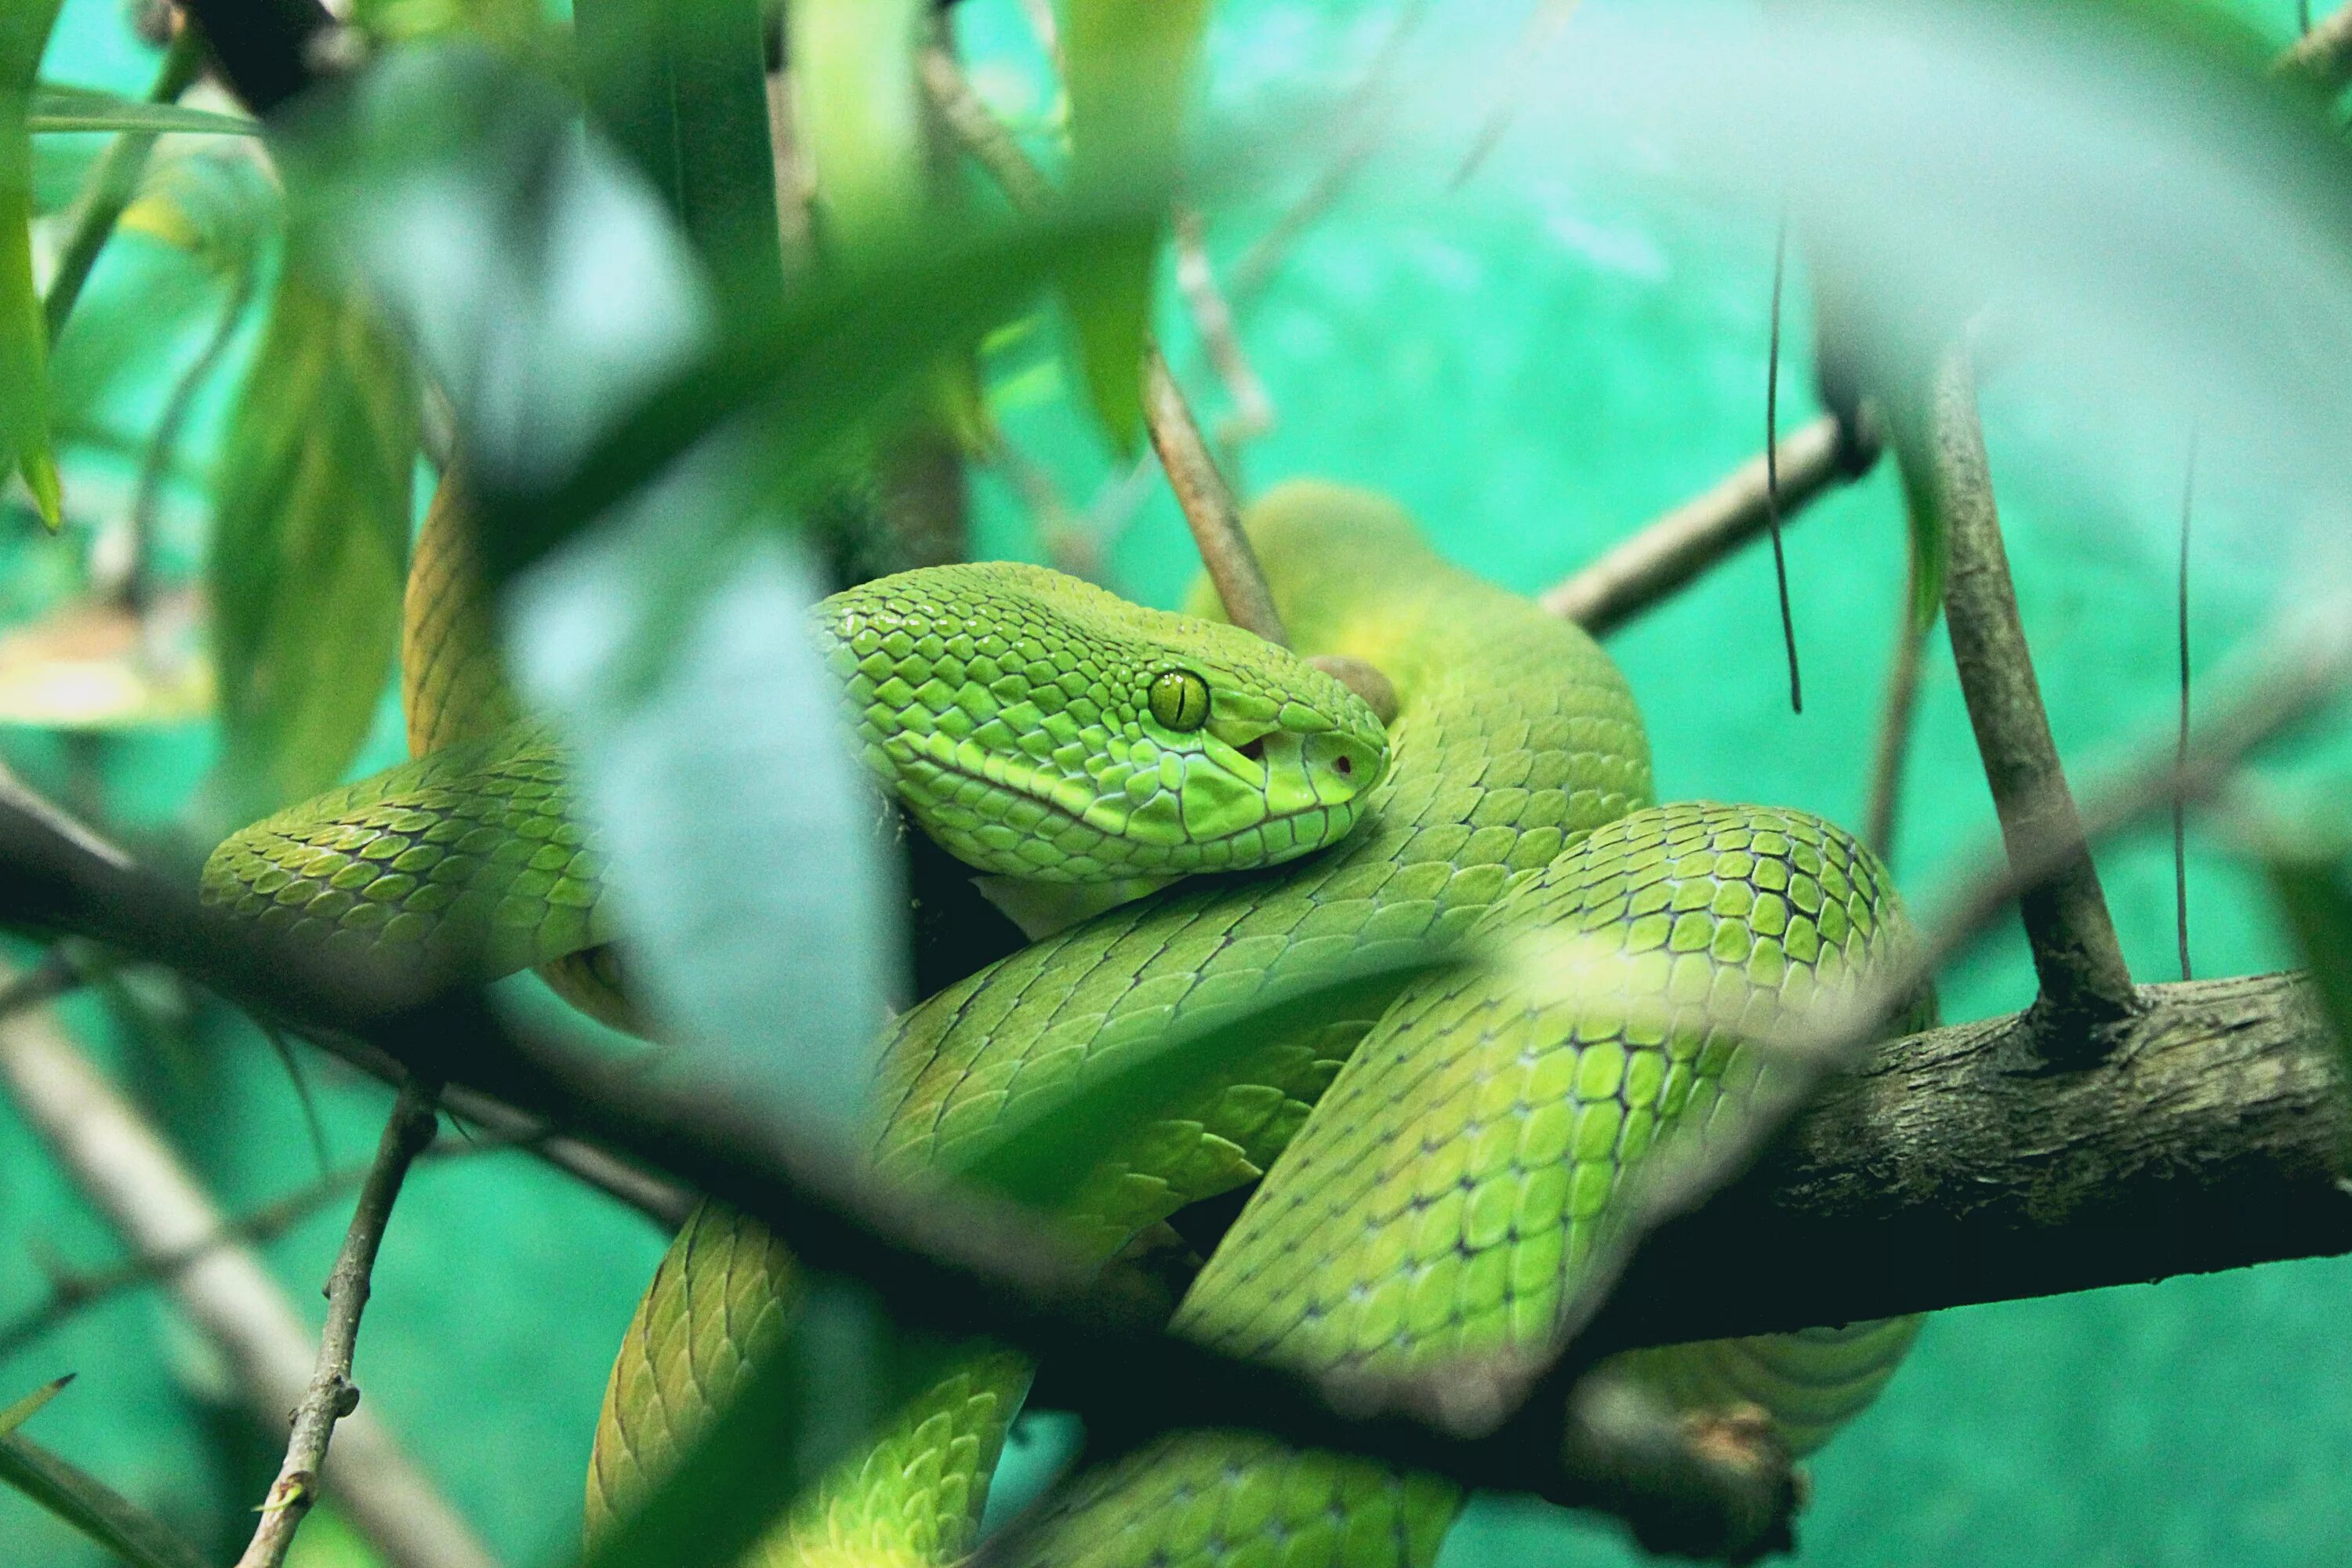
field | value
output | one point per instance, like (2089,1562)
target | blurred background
(1536,365)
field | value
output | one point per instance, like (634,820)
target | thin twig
(155,463)
(1543,27)
(1368,127)
(2075,954)
(332,1394)
(1207,501)
(1668,552)
(1896,718)
(1208,504)
(1212,320)
(113,182)
(123,1166)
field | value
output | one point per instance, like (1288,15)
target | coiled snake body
(1430,1172)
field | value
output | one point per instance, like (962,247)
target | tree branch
(128,1172)
(2076,956)
(1666,554)
(331,1395)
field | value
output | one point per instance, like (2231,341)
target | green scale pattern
(1009,706)
(1438,1201)
(463,858)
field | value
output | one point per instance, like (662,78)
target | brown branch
(1896,715)
(127,1171)
(332,1394)
(1665,555)
(1208,504)
(2324,55)
(2076,956)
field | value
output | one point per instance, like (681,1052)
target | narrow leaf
(17,1415)
(310,552)
(860,121)
(2317,905)
(78,108)
(1040,1151)
(1130,66)
(1923,507)
(681,88)
(24,337)
(92,1506)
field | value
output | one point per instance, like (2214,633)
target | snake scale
(1428,1174)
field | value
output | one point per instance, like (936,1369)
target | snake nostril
(1344,765)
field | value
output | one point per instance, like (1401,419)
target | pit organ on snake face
(1041,728)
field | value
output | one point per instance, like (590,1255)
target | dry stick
(1213,322)
(1207,501)
(1669,553)
(2322,56)
(1894,720)
(126,1171)
(1543,26)
(2076,957)
(331,1395)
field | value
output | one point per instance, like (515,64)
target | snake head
(1037,726)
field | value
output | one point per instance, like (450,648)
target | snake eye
(1180,700)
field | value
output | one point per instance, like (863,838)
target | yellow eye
(1180,699)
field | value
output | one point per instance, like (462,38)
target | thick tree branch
(129,1174)
(1950,1169)
(1666,554)
(2076,956)
(332,1394)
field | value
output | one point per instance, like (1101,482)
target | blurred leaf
(860,121)
(2317,904)
(91,1507)
(311,548)
(715,769)
(219,209)
(58,109)
(93,664)
(509,23)
(1923,513)
(17,1415)
(1130,65)
(681,88)
(1041,1149)
(23,338)
(553,299)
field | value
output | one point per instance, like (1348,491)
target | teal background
(1535,370)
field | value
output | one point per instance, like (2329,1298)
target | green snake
(1429,1173)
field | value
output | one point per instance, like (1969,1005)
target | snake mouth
(1050,837)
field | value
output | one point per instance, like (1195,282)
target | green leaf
(92,1506)
(1929,539)
(860,121)
(82,109)
(17,1415)
(681,88)
(24,337)
(1040,1151)
(310,554)
(1130,66)
(2313,896)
